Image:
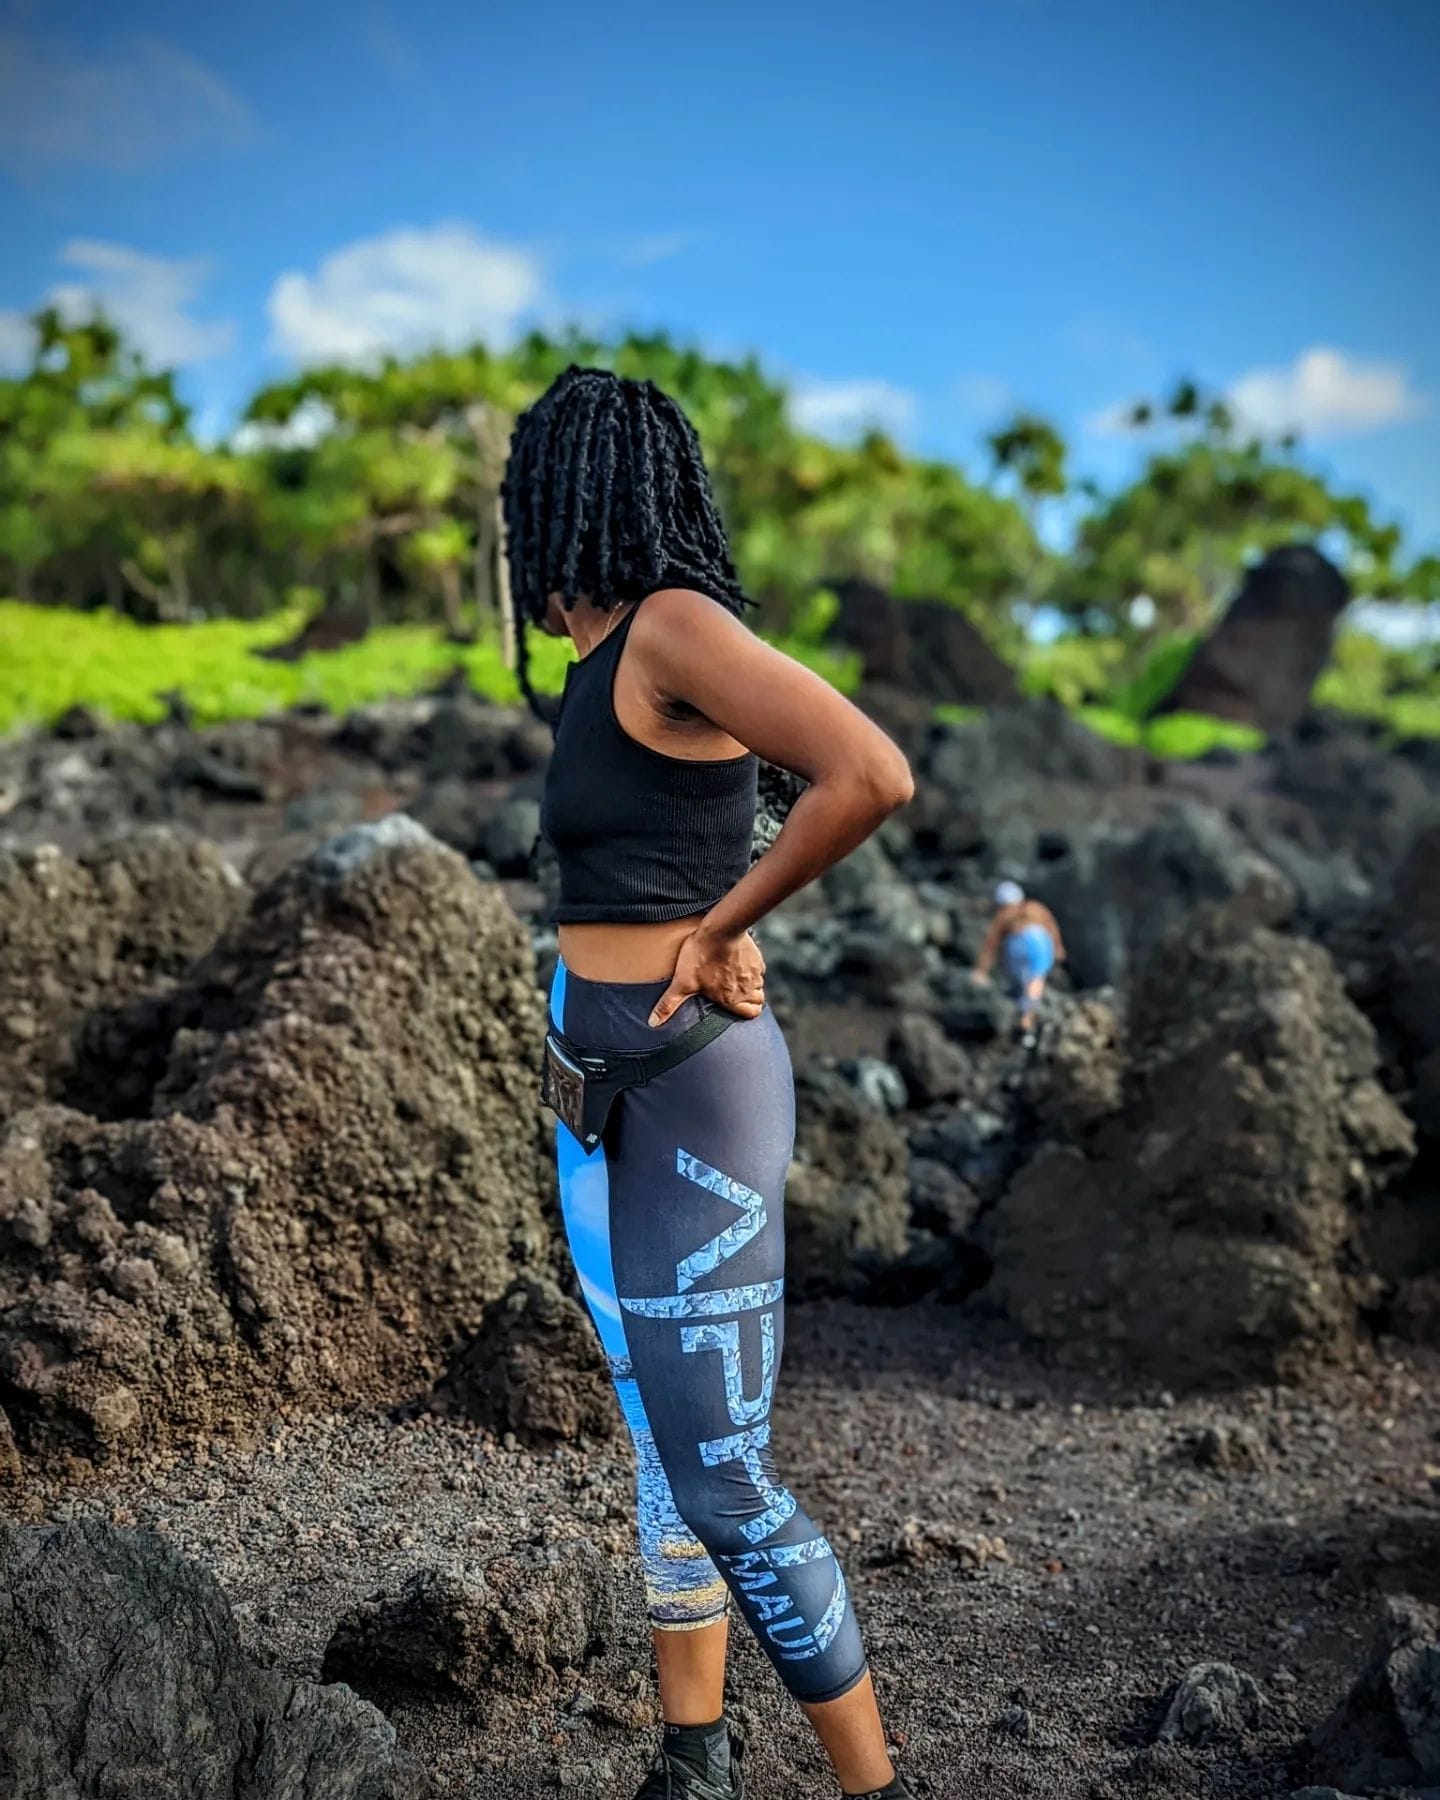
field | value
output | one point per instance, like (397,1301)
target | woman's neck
(588,623)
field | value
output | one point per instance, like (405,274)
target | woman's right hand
(726,968)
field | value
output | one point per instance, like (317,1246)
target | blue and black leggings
(677,1230)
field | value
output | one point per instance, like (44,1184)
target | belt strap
(647,1064)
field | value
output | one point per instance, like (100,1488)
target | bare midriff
(625,952)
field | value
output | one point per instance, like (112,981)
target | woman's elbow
(889,784)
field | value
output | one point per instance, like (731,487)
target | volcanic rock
(1260,662)
(340,1169)
(506,1630)
(534,1368)
(846,1206)
(1386,1731)
(89,951)
(121,1673)
(1199,1233)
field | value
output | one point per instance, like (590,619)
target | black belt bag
(579,1086)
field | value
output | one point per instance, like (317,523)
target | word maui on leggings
(755,1576)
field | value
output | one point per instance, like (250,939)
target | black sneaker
(899,1789)
(671,1779)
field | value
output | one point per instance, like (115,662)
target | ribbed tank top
(639,836)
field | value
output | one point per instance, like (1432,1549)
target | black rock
(121,1673)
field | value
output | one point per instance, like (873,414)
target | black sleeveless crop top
(639,836)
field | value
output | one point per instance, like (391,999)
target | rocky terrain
(1114,1364)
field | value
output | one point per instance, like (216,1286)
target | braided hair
(606,495)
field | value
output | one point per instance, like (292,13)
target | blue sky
(922,214)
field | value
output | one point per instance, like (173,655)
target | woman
(1027,940)
(674,1217)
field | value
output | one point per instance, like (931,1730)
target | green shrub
(1183,736)
(1164,666)
(52,659)
(1077,671)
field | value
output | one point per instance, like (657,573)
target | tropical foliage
(375,489)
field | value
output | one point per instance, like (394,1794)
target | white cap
(1009,893)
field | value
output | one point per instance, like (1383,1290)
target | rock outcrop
(1261,661)
(90,951)
(1118,889)
(1198,1233)
(338,1169)
(121,1672)
(846,1202)
(534,1368)
(501,1632)
(1386,1731)
(923,646)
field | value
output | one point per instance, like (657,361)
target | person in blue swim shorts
(1026,939)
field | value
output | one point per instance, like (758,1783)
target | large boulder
(1008,783)
(927,647)
(1199,1233)
(1260,662)
(1412,936)
(337,1172)
(121,1672)
(90,948)
(1117,889)
(847,1207)
(502,1631)
(534,1368)
(1386,1731)
(1342,793)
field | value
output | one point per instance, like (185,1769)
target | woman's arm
(688,649)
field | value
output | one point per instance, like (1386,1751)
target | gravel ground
(1098,1557)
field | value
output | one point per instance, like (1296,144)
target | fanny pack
(580,1086)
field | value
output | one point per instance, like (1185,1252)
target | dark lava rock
(1413,993)
(1212,1700)
(88,949)
(846,1205)
(931,1067)
(338,1171)
(939,1200)
(1260,662)
(1199,1233)
(510,836)
(504,1631)
(1118,889)
(927,647)
(1354,798)
(1386,1731)
(534,1368)
(121,1673)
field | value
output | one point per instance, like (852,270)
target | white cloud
(148,297)
(844,409)
(310,421)
(408,289)
(148,103)
(1325,393)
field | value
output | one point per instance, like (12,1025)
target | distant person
(663,1061)
(1026,938)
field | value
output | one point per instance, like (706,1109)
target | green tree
(1200,509)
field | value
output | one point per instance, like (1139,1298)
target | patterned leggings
(676,1227)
